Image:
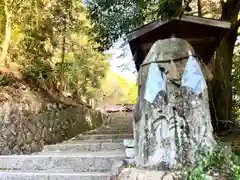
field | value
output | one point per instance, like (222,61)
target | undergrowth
(220,162)
(5,80)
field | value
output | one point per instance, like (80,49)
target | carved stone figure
(172,118)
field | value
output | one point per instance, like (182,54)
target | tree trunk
(62,63)
(7,37)
(221,86)
(199,5)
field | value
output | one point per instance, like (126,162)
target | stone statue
(172,118)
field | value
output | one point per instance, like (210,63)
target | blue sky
(122,65)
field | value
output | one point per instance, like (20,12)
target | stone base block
(130,152)
(138,174)
(129,143)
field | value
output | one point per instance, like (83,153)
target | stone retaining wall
(23,131)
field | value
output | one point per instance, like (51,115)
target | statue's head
(172,55)
(169,49)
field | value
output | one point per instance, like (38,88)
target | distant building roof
(203,34)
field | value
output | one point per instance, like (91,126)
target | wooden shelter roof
(203,34)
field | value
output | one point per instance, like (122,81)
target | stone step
(120,126)
(103,136)
(76,141)
(122,123)
(78,147)
(52,176)
(114,128)
(108,128)
(110,131)
(107,132)
(69,162)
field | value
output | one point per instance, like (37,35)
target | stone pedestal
(130,151)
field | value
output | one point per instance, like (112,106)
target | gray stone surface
(53,176)
(172,130)
(83,147)
(104,136)
(77,147)
(116,168)
(136,174)
(72,147)
(130,152)
(119,129)
(73,141)
(25,131)
(77,162)
(146,174)
(82,176)
(130,143)
(90,158)
(23,176)
(112,146)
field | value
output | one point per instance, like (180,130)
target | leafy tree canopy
(51,43)
(113,19)
(118,90)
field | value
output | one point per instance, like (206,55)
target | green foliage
(114,19)
(118,90)
(167,9)
(236,86)
(219,161)
(37,71)
(5,80)
(52,42)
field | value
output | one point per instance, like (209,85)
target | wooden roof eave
(193,19)
(204,35)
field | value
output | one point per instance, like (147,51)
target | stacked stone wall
(24,131)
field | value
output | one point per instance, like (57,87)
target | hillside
(118,90)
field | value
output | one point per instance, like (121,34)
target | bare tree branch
(222,3)
(199,4)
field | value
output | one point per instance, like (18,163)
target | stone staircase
(95,155)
